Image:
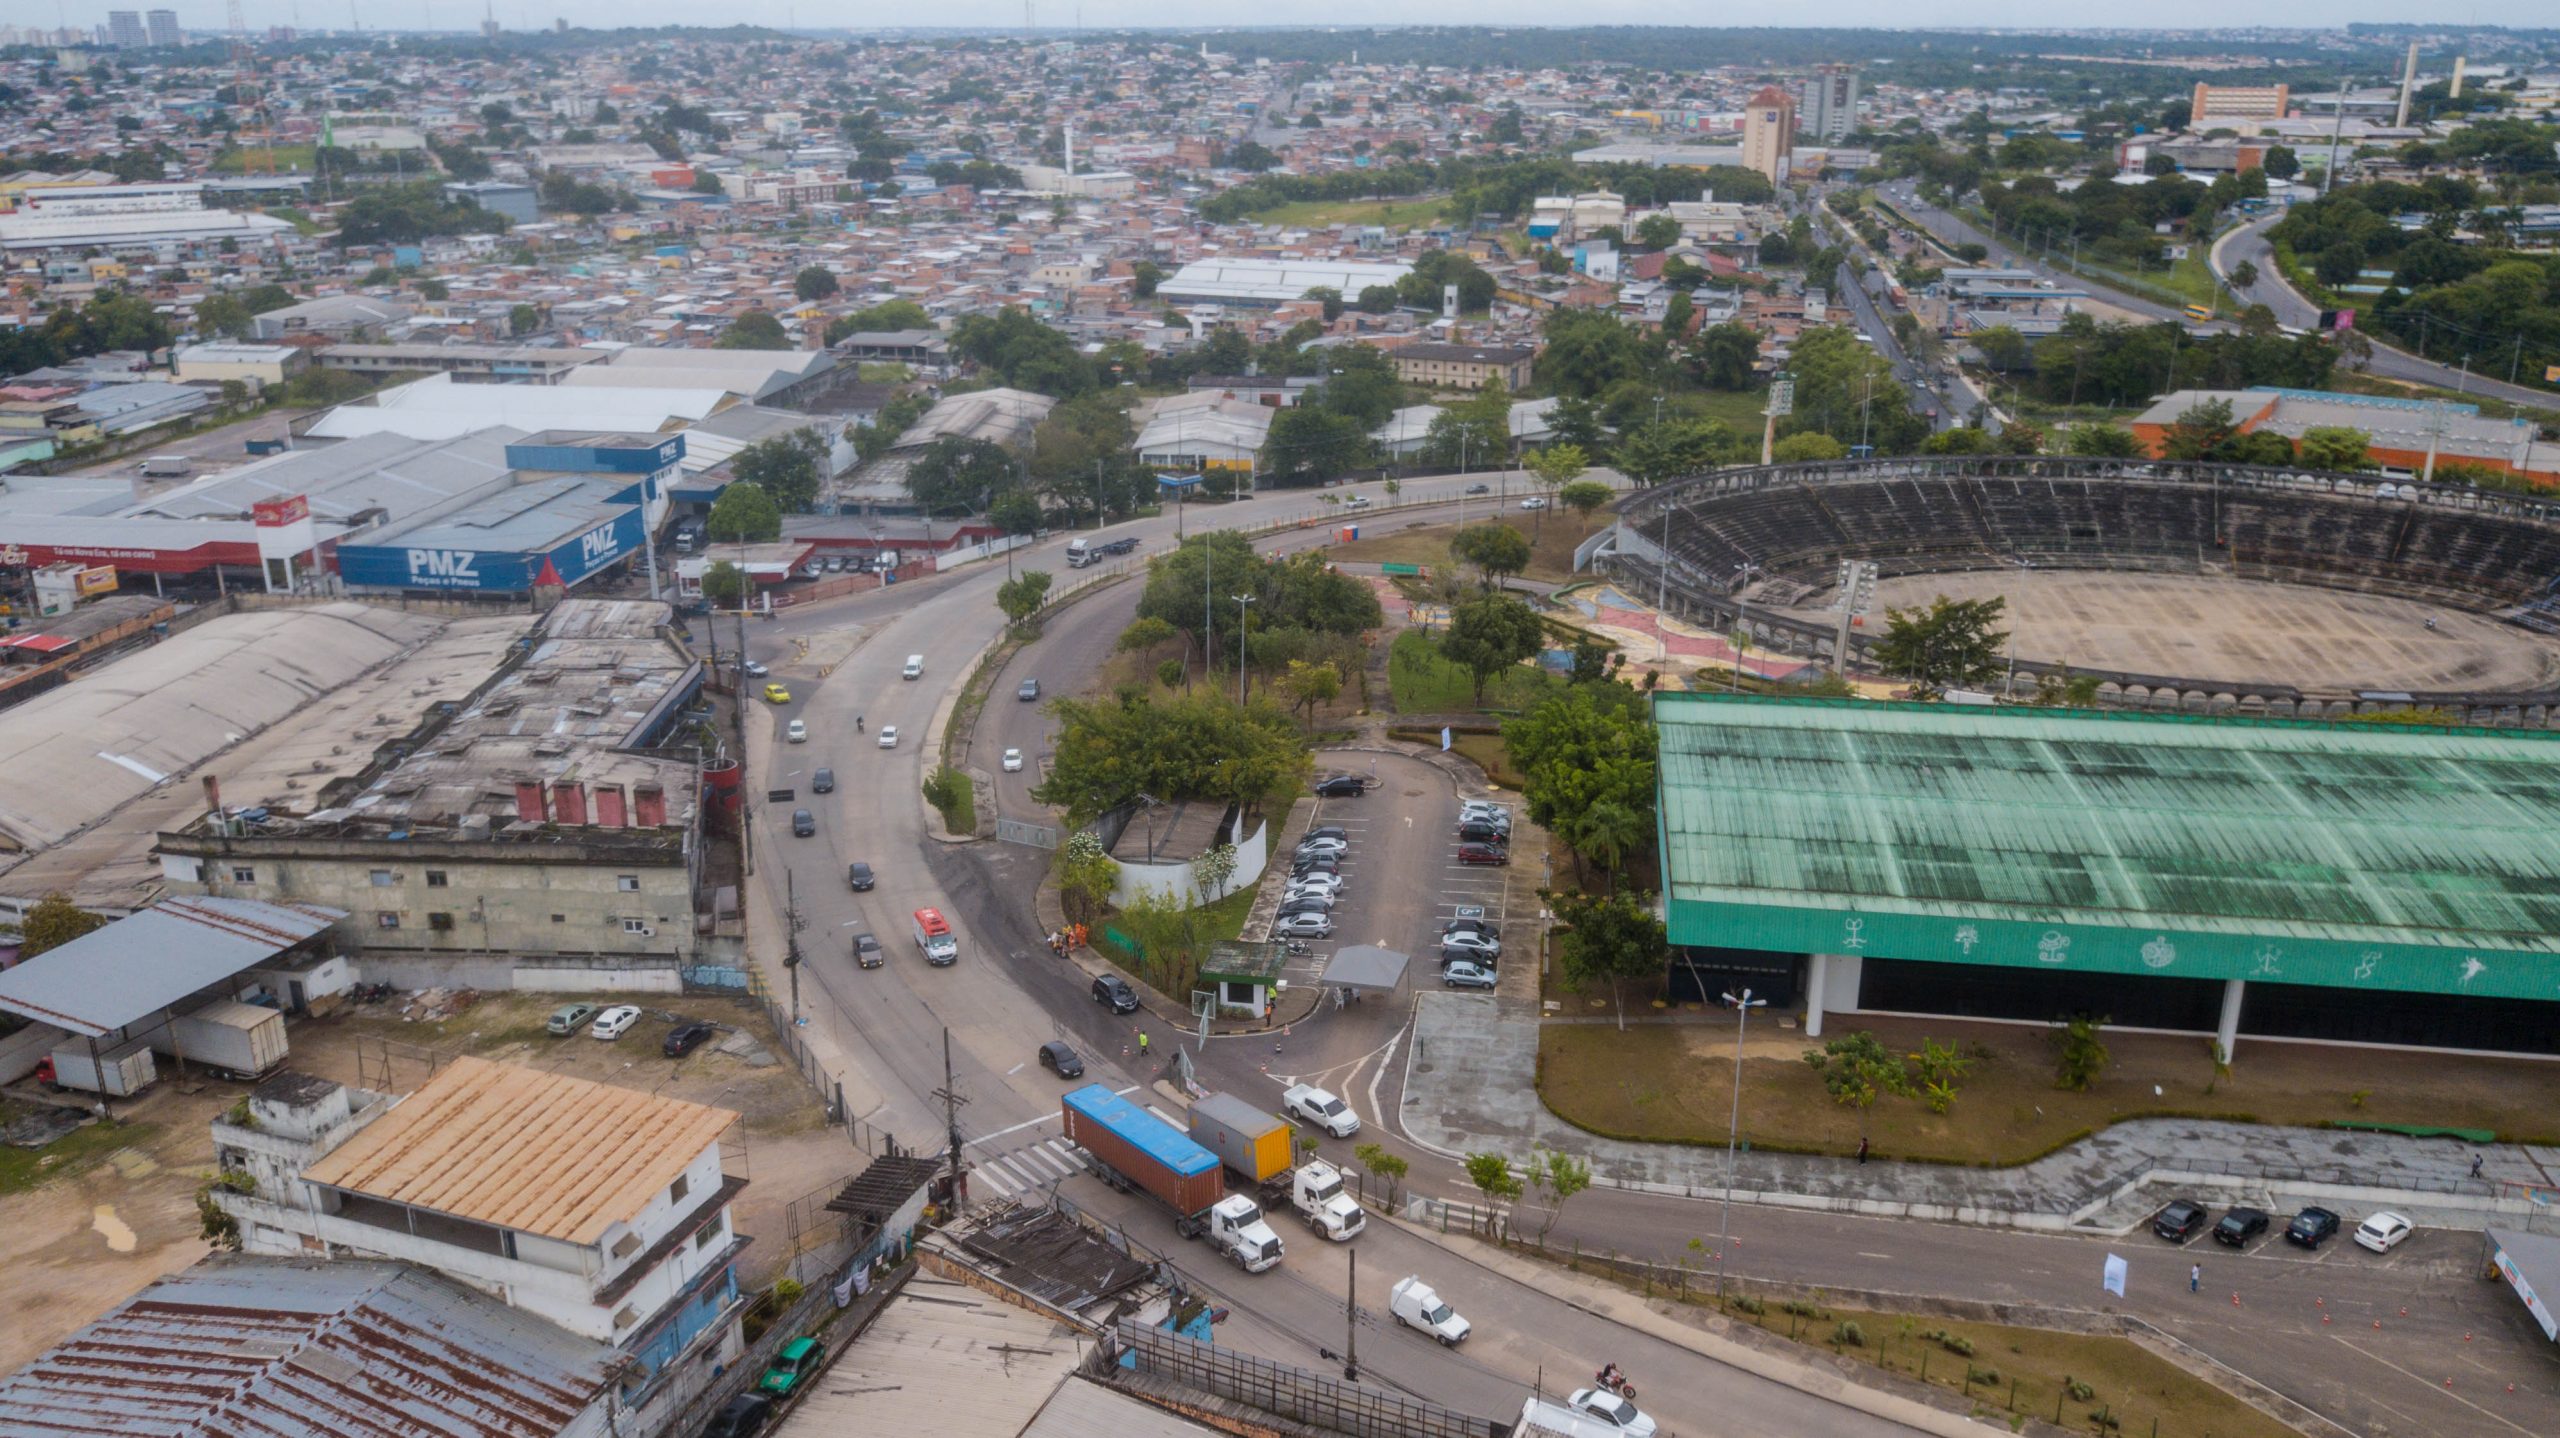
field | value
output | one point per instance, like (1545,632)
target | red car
(1483,854)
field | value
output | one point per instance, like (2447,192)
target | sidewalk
(1470,1086)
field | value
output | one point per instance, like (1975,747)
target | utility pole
(1244,677)
(1351,1325)
(792,924)
(952,1102)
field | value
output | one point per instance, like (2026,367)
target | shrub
(2105,1420)
(1957,1344)
(1849,1335)
(1750,1305)
(787,1291)
(2080,1392)
(1987,1377)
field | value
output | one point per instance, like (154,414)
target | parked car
(793,1366)
(776,694)
(1326,831)
(685,1037)
(1317,883)
(1303,926)
(2383,1232)
(1467,974)
(1322,849)
(1485,927)
(2239,1226)
(1113,993)
(866,951)
(888,736)
(796,732)
(2312,1227)
(1311,1105)
(741,1417)
(803,823)
(1342,786)
(614,1022)
(1469,941)
(858,877)
(1476,957)
(1306,904)
(1479,833)
(1061,1060)
(2180,1220)
(1027,691)
(1415,1305)
(1613,1410)
(1479,489)
(1305,867)
(823,782)
(1483,854)
(569,1018)
(1013,761)
(1534,502)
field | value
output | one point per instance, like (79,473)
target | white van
(915,667)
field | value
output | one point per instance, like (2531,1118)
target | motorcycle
(1297,948)
(1616,1383)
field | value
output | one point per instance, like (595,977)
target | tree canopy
(753,330)
(744,513)
(1952,642)
(1170,747)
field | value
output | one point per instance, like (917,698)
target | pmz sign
(444,569)
(598,546)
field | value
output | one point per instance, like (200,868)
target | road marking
(988,1175)
(1885,1256)
(1033,1122)
(1017,1068)
(2430,1386)
(1160,1113)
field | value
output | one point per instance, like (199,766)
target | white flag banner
(1444,738)
(2114,1281)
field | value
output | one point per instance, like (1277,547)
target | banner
(1444,738)
(2114,1280)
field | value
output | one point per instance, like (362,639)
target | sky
(1063,14)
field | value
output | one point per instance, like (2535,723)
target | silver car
(1303,926)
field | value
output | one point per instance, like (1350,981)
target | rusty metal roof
(293,1348)
(537,1152)
(158,956)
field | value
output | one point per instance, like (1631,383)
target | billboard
(97,579)
(275,513)
(490,571)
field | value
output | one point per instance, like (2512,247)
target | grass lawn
(22,1169)
(262,159)
(1394,214)
(1739,408)
(1551,540)
(1424,683)
(1665,1082)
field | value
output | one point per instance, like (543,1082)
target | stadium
(2181,859)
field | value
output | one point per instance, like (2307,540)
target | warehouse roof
(2348,854)
(340,1348)
(435,407)
(1276,281)
(542,1153)
(942,1357)
(157,957)
(380,476)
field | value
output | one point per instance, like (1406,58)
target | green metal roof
(2358,855)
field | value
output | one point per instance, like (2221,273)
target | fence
(1330,1404)
(1017,831)
(815,1310)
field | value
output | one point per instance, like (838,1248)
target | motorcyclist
(1609,1377)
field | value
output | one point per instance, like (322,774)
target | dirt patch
(1551,541)
(1673,1082)
(95,1216)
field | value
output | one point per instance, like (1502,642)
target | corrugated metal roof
(1082,1408)
(306,1349)
(2402,842)
(156,958)
(941,1358)
(538,1152)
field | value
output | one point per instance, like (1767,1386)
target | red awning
(41,643)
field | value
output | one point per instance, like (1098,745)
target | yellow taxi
(776,694)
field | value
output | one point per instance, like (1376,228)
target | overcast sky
(528,14)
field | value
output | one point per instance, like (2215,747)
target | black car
(2180,1220)
(866,951)
(1479,489)
(1113,992)
(740,1417)
(1483,834)
(1325,831)
(858,874)
(1342,786)
(2239,1226)
(823,782)
(2312,1227)
(1485,927)
(684,1038)
(1029,690)
(1061,1060)
(1317,864)
(803,823)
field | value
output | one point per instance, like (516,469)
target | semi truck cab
(1236,1229)
(1315,1191)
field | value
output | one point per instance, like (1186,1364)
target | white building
(599,1209)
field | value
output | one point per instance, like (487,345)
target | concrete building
(602,1211)
(1446,366)
(2400,432)
(1661,156)
(256,366)
(1769,133)
(510,198)
(466,364)
(1830,108)
(1204,430)
(341,316)
(1267,284)
(2229,104)
(162,26)
(1565,217)
(124,30)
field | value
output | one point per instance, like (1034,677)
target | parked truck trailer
(234,1039)
(118,1072)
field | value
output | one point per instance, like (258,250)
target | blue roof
(1151,1135)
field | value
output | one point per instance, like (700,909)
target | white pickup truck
(1315,1107)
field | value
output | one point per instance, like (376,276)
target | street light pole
(1742,1008)
(1244,680)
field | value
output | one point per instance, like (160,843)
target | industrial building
(466,364)
(2226,104)
(1451,366)
(164,221)
(572,506)
(511,198)
(256,366)
(1204,430)
(2242,878)
(2401,432)
(1267,284)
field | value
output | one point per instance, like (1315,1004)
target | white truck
(940,946)
(1416,1306)
(1315,1191)
(1235,1227)
(1081,554)
(1315,1107)
(119,1072)
(236,1040)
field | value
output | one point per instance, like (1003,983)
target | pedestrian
(1142,1041)
(857,723)
(2195,1278)
(2475,1165)
(1862,1150)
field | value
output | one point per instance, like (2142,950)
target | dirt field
(2211,628)
(109,1212)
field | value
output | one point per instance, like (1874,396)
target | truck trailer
(1257,1146)
(119,1072)
(1136,1152)
(236,1040)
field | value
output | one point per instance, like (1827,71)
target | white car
(1303,926)
(1314,1106)
(888,736)
(1613,1410)
(1464,943)
(1324,848)
(756,670)
(2384,1232)
(614,1022)
(1533,502)
(797,731)
(1315,884)
(1013,761)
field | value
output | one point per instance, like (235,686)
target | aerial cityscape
(717,725)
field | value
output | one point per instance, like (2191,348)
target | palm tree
(1608,833)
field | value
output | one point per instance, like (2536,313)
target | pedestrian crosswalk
(1032,1166)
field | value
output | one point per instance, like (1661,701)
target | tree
(1807,447)
(1556,466)
(1963,439)
(53,922)
(1609,940)
(225,316)
(2105,441)
(1490,634)
(1587,351)
(2336,448)
(1021,596)
(1658,231)
(2244,276)
(1495,549)
(2198,431)
(1144,635)
(523,320)
(1311,444)
(1148,274)
(2079,1056)
(1952,642)
(1723,355)
(1492,1175)
(956,474)
(1583,497)
(1555,1176)
(1857,1069)
(814,282)
(788,468)
(744,513)
(1016,512)
(1196,746)
(2280,162)
(1086,877)
(1309,684)
(754,330)
(1388,1166)
(1472,431)
(725,584)
(2001,347)
(886,317)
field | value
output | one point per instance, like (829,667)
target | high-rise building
(1830,107)
(164,28)
(1769,133)
(2218,103)
(124,29)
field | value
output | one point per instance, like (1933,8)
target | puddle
(103,1219)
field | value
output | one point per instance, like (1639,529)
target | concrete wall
(22,1051)
(1174,881)
(532,974)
